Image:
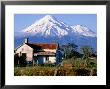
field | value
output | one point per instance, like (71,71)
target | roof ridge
(42,43)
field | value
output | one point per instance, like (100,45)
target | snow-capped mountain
(50,26)
(82,30)
(50,29)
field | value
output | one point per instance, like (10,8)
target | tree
(16,60)
(68,49)
(93,53)
(22,60)
(86,51)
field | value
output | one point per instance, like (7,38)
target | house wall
(26,49)
(42,59)
(52,59)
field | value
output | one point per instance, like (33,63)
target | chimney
(26,40)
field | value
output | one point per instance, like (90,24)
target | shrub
(82,72)
(16,59)
(94,72)
(68,67)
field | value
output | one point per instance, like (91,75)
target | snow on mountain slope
(50,26)
(82,30)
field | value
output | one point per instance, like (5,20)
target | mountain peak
(83,30)
(47,26)
(50,26)
(48,17)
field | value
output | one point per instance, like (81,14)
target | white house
(40,53)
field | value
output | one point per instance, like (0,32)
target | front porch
(44,58)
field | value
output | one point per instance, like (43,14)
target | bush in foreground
(46,71)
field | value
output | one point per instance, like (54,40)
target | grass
(68,67)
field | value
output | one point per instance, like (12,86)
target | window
(47,58)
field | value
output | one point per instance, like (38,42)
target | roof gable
(21,46)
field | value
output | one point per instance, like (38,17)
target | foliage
(16,59)
(68,67)
(69,50)
(86,51)
(23,60)
(82,72)
(20,60)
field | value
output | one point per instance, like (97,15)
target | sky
(22,21)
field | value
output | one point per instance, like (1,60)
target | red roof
(45,53)
(45,45)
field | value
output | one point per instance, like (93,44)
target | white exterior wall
(52,59)
(44,59)
(26,49)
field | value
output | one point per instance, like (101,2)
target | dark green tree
(16,60)
(68,49)
(86,51)
(22,60)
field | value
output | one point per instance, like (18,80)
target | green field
(68,67)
